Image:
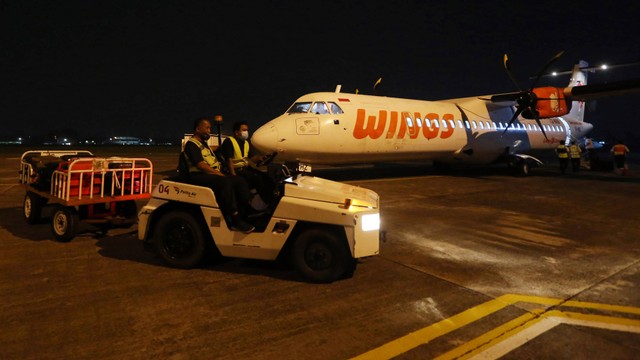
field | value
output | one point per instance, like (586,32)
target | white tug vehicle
(322,226)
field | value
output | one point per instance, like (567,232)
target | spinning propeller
(528,101)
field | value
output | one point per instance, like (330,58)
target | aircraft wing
(595,91)
(576,93)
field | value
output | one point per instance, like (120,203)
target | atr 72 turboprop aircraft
(342,128)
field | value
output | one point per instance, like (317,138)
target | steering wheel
(267,159)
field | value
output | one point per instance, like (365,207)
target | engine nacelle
(550,102)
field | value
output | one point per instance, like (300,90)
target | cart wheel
(64,223)
(32,207)
(128,209)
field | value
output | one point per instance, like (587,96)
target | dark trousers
(563,164)
(575,164)
(232,192)
(259,181)
(620,160)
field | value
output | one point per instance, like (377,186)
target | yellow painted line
(494,336)
(484,347)
(424,335)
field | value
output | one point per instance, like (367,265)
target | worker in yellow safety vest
(562,152)
(620,152)
(232,192)
(575,153)
(240,157)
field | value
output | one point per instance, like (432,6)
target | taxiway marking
(512,334)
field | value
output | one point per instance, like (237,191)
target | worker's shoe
(237,224)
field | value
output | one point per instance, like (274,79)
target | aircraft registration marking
(512,334)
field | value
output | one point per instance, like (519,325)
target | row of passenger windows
(319,107)
(489,125)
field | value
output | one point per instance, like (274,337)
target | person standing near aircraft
(620,152)
(563,156)
(574,154)
(239,153)
(232,192)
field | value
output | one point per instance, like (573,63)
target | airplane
(336,128)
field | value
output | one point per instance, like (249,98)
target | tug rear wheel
(179,239)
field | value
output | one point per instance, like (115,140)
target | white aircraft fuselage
(352,128)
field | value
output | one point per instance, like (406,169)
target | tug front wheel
(320,256)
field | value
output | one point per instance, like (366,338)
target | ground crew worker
(574,154)
(563,156)
(240,154)
(232,192)
(620,152)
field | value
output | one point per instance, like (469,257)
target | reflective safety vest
(208,156)
(562,151)
(574,150)
(238,160)
(619,149)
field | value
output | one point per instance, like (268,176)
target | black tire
(180,240)
(128,209)
(32,207)
(64,223)
(523,168)
(320,256)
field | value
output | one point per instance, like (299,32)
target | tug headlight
(371,222)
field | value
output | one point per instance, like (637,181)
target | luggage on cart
(83,188)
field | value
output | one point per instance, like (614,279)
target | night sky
(149,68)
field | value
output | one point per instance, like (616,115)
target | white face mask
(244,135)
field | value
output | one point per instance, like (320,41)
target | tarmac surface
(475,264)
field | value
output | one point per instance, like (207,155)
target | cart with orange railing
(83,188)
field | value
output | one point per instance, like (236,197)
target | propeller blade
(544,69)
(541,128)
(505,62)
(513,118)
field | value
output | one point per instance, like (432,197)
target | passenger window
(467,123)
(301,107)
(475,125)
(319,108)
(427,123)
(488,124)
(460,124)
(481,125)
(444,124)
(409,122)
(335,108)
(419,122)
(452,123)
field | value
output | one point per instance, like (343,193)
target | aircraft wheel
(32,207)
(523,168)
(319,256)
(179,239)
(64,223)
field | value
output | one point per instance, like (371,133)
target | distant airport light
(554,73)
(603,67)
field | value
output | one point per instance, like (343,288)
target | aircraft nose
(265,138)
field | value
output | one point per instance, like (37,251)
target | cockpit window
(320,108)
(299,107)
(335,109)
